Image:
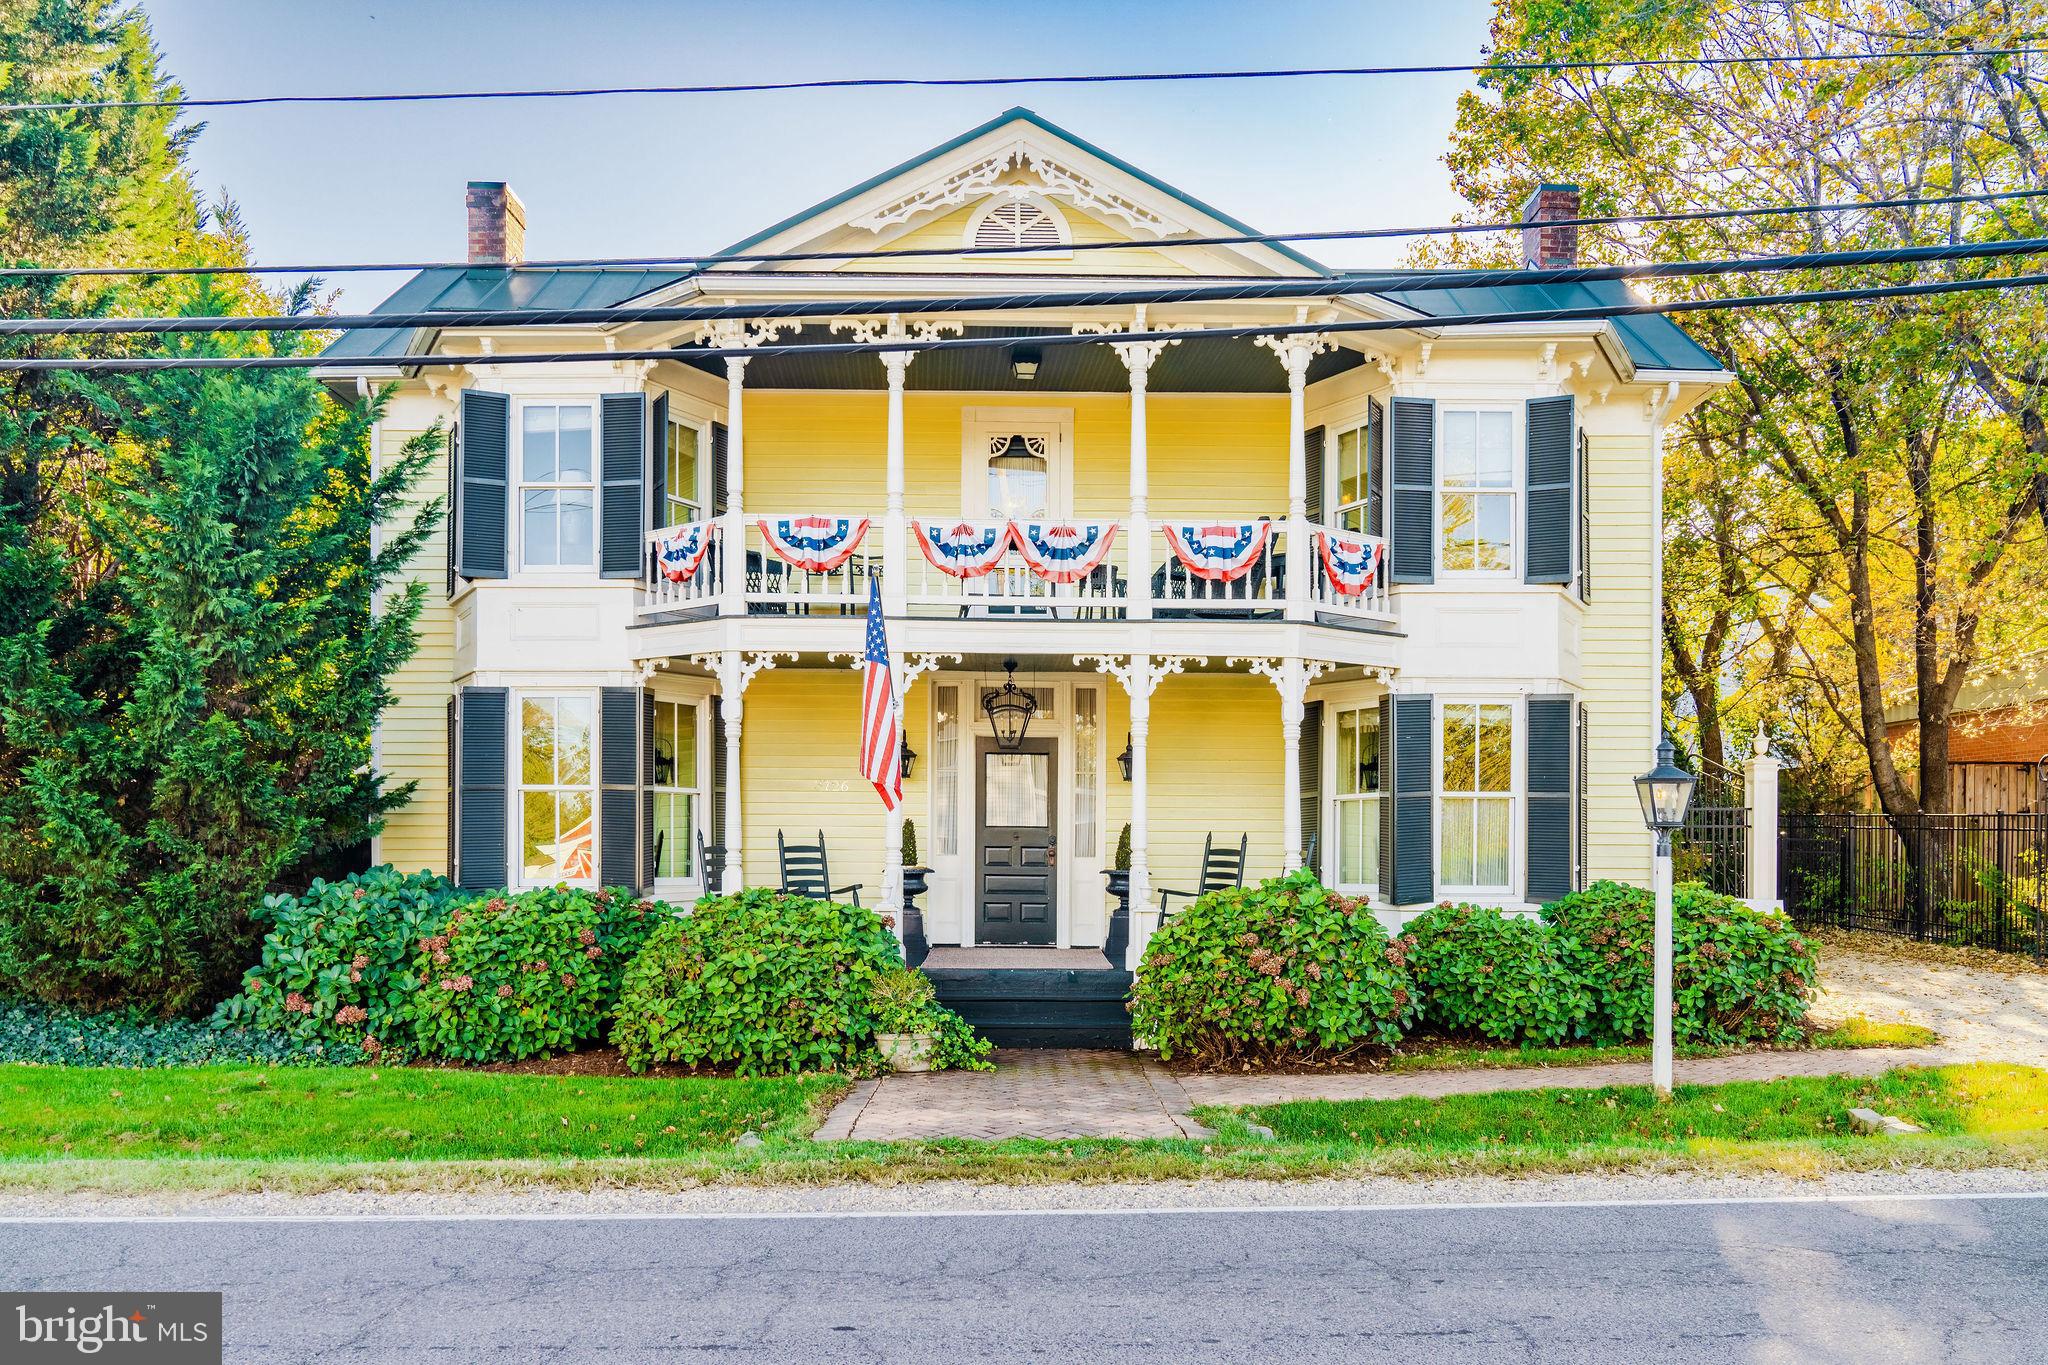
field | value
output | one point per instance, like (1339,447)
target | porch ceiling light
(1009,710)
(1123,760)
(1665,791)
(1024,363)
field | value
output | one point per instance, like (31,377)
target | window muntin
(1476,801)
(676,789)
(682,465)
(1358,482)
(557,487)
(557,794)
(1356,796)
(1475,490)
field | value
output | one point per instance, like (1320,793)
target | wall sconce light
(1123,760)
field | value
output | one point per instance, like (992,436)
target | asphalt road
(1899,1280)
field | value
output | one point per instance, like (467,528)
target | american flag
(879,739)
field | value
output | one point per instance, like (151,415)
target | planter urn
(1117,941)
(906,1051)
(916,947)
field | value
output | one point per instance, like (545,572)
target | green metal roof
(517,288)
(1653,341)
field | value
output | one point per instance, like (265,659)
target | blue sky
(615,176)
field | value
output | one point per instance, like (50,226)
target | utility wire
(1250,290)
(1588,313)
(893,253)
(1482,69)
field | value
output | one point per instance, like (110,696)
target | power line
(956,82)
(892,253)
(1250,290)
(1587,313)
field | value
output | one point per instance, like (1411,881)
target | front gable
(1020,164)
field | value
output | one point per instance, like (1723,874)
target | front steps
(1039,1006)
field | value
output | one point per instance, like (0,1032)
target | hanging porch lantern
(1009,710)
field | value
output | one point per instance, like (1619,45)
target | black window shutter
(450,524)
(1414,488)
(719,438)
(1550,522)
(1312,787)
(1383,783)
(618,771)
(623,461)
(1312,445)
(1548,827)
(657,466)
(1413,799)
(1585,519)
(1375,468)
(718,771)
(647,859)
(1579,873)
(485,486)
(483,812)
(448,848)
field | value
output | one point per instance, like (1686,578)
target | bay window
(1476,490)
(557,790)
(1475,797)
(557,488)
(676,791)
(1356,795)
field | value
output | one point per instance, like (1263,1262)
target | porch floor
(1018,959)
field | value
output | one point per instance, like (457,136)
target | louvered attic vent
(1016,224)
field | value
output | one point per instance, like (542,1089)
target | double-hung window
(557,796)
(557,493)
(676,790)
(1476,490)
(1358,480)
(1356,794)
(682,460)
(1476,797)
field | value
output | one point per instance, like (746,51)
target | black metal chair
(1308,855)
(804,871)
(710,865)
(1222,870)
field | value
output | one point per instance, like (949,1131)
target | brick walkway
(1053,1094)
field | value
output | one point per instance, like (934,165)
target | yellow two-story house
(1382,599)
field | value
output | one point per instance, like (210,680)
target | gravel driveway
(1981,1014)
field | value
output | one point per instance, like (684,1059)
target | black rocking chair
(1222,869)
(804,872)
(710,866)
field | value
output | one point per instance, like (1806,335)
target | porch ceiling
(1194,366)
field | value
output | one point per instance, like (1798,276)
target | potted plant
(916,880)
(1118,875)
(905,1026)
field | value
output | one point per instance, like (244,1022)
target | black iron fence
(1978,881)
(1713,847)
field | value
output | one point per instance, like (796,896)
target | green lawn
(1856,1032)
(230,1129)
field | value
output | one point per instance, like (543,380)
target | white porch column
(895,526)
(1290,677)
(1760,783)
(733,600)
(734,669)
(1295,351)
(1137,357)
(1140,675)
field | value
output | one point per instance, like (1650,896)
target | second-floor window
(557,490)
(1476,490)
(682,461)
(1358,481)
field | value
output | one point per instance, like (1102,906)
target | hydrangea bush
(1500,976)
(1283,970)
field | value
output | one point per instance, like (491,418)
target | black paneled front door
(1015,853)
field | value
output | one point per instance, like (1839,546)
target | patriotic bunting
(1352,561)
(682,550)
(1063,551)
(963,549)
(1222,552)
(814,544)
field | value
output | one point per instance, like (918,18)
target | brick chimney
(1543,248)
(497,223)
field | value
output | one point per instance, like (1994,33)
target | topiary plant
(910,843)
(1283,970)
(1498,975)
(337,962)
(1740,975)
(1123,849)
(759,981)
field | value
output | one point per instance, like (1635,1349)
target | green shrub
(1498,975)
(337,965)
(758,981)
(1286,969)
(49,1036)
(904,1001)
(1740,975)
(513,976)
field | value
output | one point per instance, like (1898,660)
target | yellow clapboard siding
(412,731)
(1214,768)
(1619,652)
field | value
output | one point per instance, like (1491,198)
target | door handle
(1052,853)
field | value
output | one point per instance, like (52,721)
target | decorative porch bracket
(735,669)
(1296,351)
(1291,678)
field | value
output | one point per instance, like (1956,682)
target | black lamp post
(1009,710)
(1665,791)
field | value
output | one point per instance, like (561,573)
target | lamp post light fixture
(1009,710)
(1123,760)
(1665,791)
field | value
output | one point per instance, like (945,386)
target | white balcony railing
(1171,590)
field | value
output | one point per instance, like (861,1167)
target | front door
(1016,855)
